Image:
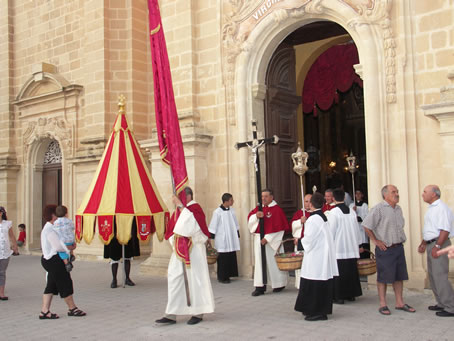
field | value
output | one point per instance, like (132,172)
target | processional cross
(254,145)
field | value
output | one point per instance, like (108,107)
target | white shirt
(50,243)
(5,248)
(319,262)
(344,228)
(439,217)
(224,226)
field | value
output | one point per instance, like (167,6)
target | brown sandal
(384,310)
(48,316)
(76,312)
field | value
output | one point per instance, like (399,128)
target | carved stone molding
(48,128)
(240,17)
(46,106)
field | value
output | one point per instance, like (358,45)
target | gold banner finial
(121,104)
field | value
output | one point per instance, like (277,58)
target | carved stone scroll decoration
(240,17)
(55,128)
(378,12)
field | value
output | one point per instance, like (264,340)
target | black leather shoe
(224,281)
(444,313)
(278,289)
(129,282)
(435,308)
(351,299)
(338,301)
(316,318)
(257,292)
(194,320)
(113,285)
(165,320)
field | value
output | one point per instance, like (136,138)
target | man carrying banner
(275,225)
(189,286)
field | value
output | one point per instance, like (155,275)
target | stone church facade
(63,67)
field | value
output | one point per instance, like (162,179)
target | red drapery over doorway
(331,73)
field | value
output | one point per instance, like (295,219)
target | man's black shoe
(257,292)
(435,308)
(338,301)
(165,320)
(194,320)
(129,282)
(444,313)
(225,281)
(278,289)
(113,285)
(316,318)
(351,299)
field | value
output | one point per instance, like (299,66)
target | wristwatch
(437,246)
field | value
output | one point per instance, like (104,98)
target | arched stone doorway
(47,107)
(45,184)
(317,60)
(249,43)
(52,177)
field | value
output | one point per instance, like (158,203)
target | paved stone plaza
(129,314)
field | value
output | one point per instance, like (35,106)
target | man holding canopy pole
(188,235)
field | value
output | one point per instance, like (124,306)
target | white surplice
(319,262)
(297,228)
(277,277)
(362,211)
(200,291)
(224,226)
(344,228)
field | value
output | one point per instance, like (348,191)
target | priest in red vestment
(329,201)
(296,222)
(275,225)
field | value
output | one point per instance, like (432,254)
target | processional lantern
(352,168)
(299,159)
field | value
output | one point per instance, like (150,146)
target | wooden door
(51,192)
(281,105)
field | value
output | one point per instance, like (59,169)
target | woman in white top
(7,239)
(58,279)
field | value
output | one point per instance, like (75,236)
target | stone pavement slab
(129,313)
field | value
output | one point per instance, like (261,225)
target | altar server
(361,209)
(315,295)
(344,228)
(225,231)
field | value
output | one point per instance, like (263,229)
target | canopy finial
(121,104)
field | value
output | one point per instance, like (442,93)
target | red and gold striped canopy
(122,190)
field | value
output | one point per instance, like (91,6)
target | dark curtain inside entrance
(330,136)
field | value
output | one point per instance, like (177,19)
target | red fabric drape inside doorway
(331,73)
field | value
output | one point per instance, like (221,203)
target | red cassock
(328,207)
(297,216)
(274,217)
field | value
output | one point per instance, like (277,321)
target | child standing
(65,230)
(22,235)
